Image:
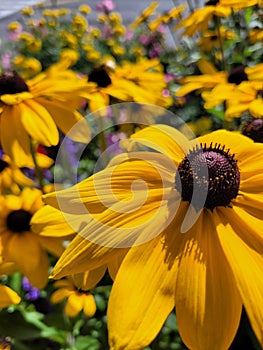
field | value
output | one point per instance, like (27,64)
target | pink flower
(6,60)
(105,6)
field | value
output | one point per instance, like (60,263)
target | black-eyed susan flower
(247,96)
(23,249)
(142,82)
(76,291)
(188,221)
(210,78)
(167,17)
(201,17)
(36,108)
(145,14)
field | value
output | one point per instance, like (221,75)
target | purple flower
(32,293)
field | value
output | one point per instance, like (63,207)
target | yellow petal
(247,266)
(89,279)
(247,227)
(50,222)
(53,245)
(252,203)
(208,305)
(74,304)
(39,123)
(25,251)
(69,121)
(142,295)
(8,297)
(164,139)
(89,307)
(14,138)
(125,176)
(122,226)
(59,295)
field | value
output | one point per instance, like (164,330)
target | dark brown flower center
(3,165)
(18,220)
(211,170)
(211,3)
(12,83)
(237,75)
(254,130)
(100,77)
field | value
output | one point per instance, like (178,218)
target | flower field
(131,178)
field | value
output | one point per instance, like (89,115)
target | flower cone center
(221,181)
(254,130)
(100,77)
(3,165)
(18,220)
(12,83)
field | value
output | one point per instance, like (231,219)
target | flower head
(76,292)
(26,249)
(184,223)
(36,108)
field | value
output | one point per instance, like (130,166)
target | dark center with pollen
(237,75)
(3,165)
(210,169)
(12,83)
(254,130)
(18,220)
(100,76)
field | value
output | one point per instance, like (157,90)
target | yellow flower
(76,292)
(245,97)
(115,18)
(93,55)
(210,78)
(238,5)
(69,57)
(95,32)
(34,46)
(79,25)
(28,11)
(118,50)
(142,82)
(63,12)
(29,67)
(255,35)
(146,13)
(167,17)
(23,248)
(19,244)
(8,297)
(210,39)
(200,18)
(191,213)
(69,39)
(36,108)
(119,30)
(84,9)
(13,26)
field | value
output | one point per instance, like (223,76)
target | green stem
(221,44)
(38,171)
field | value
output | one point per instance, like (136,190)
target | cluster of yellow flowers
(175,221)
